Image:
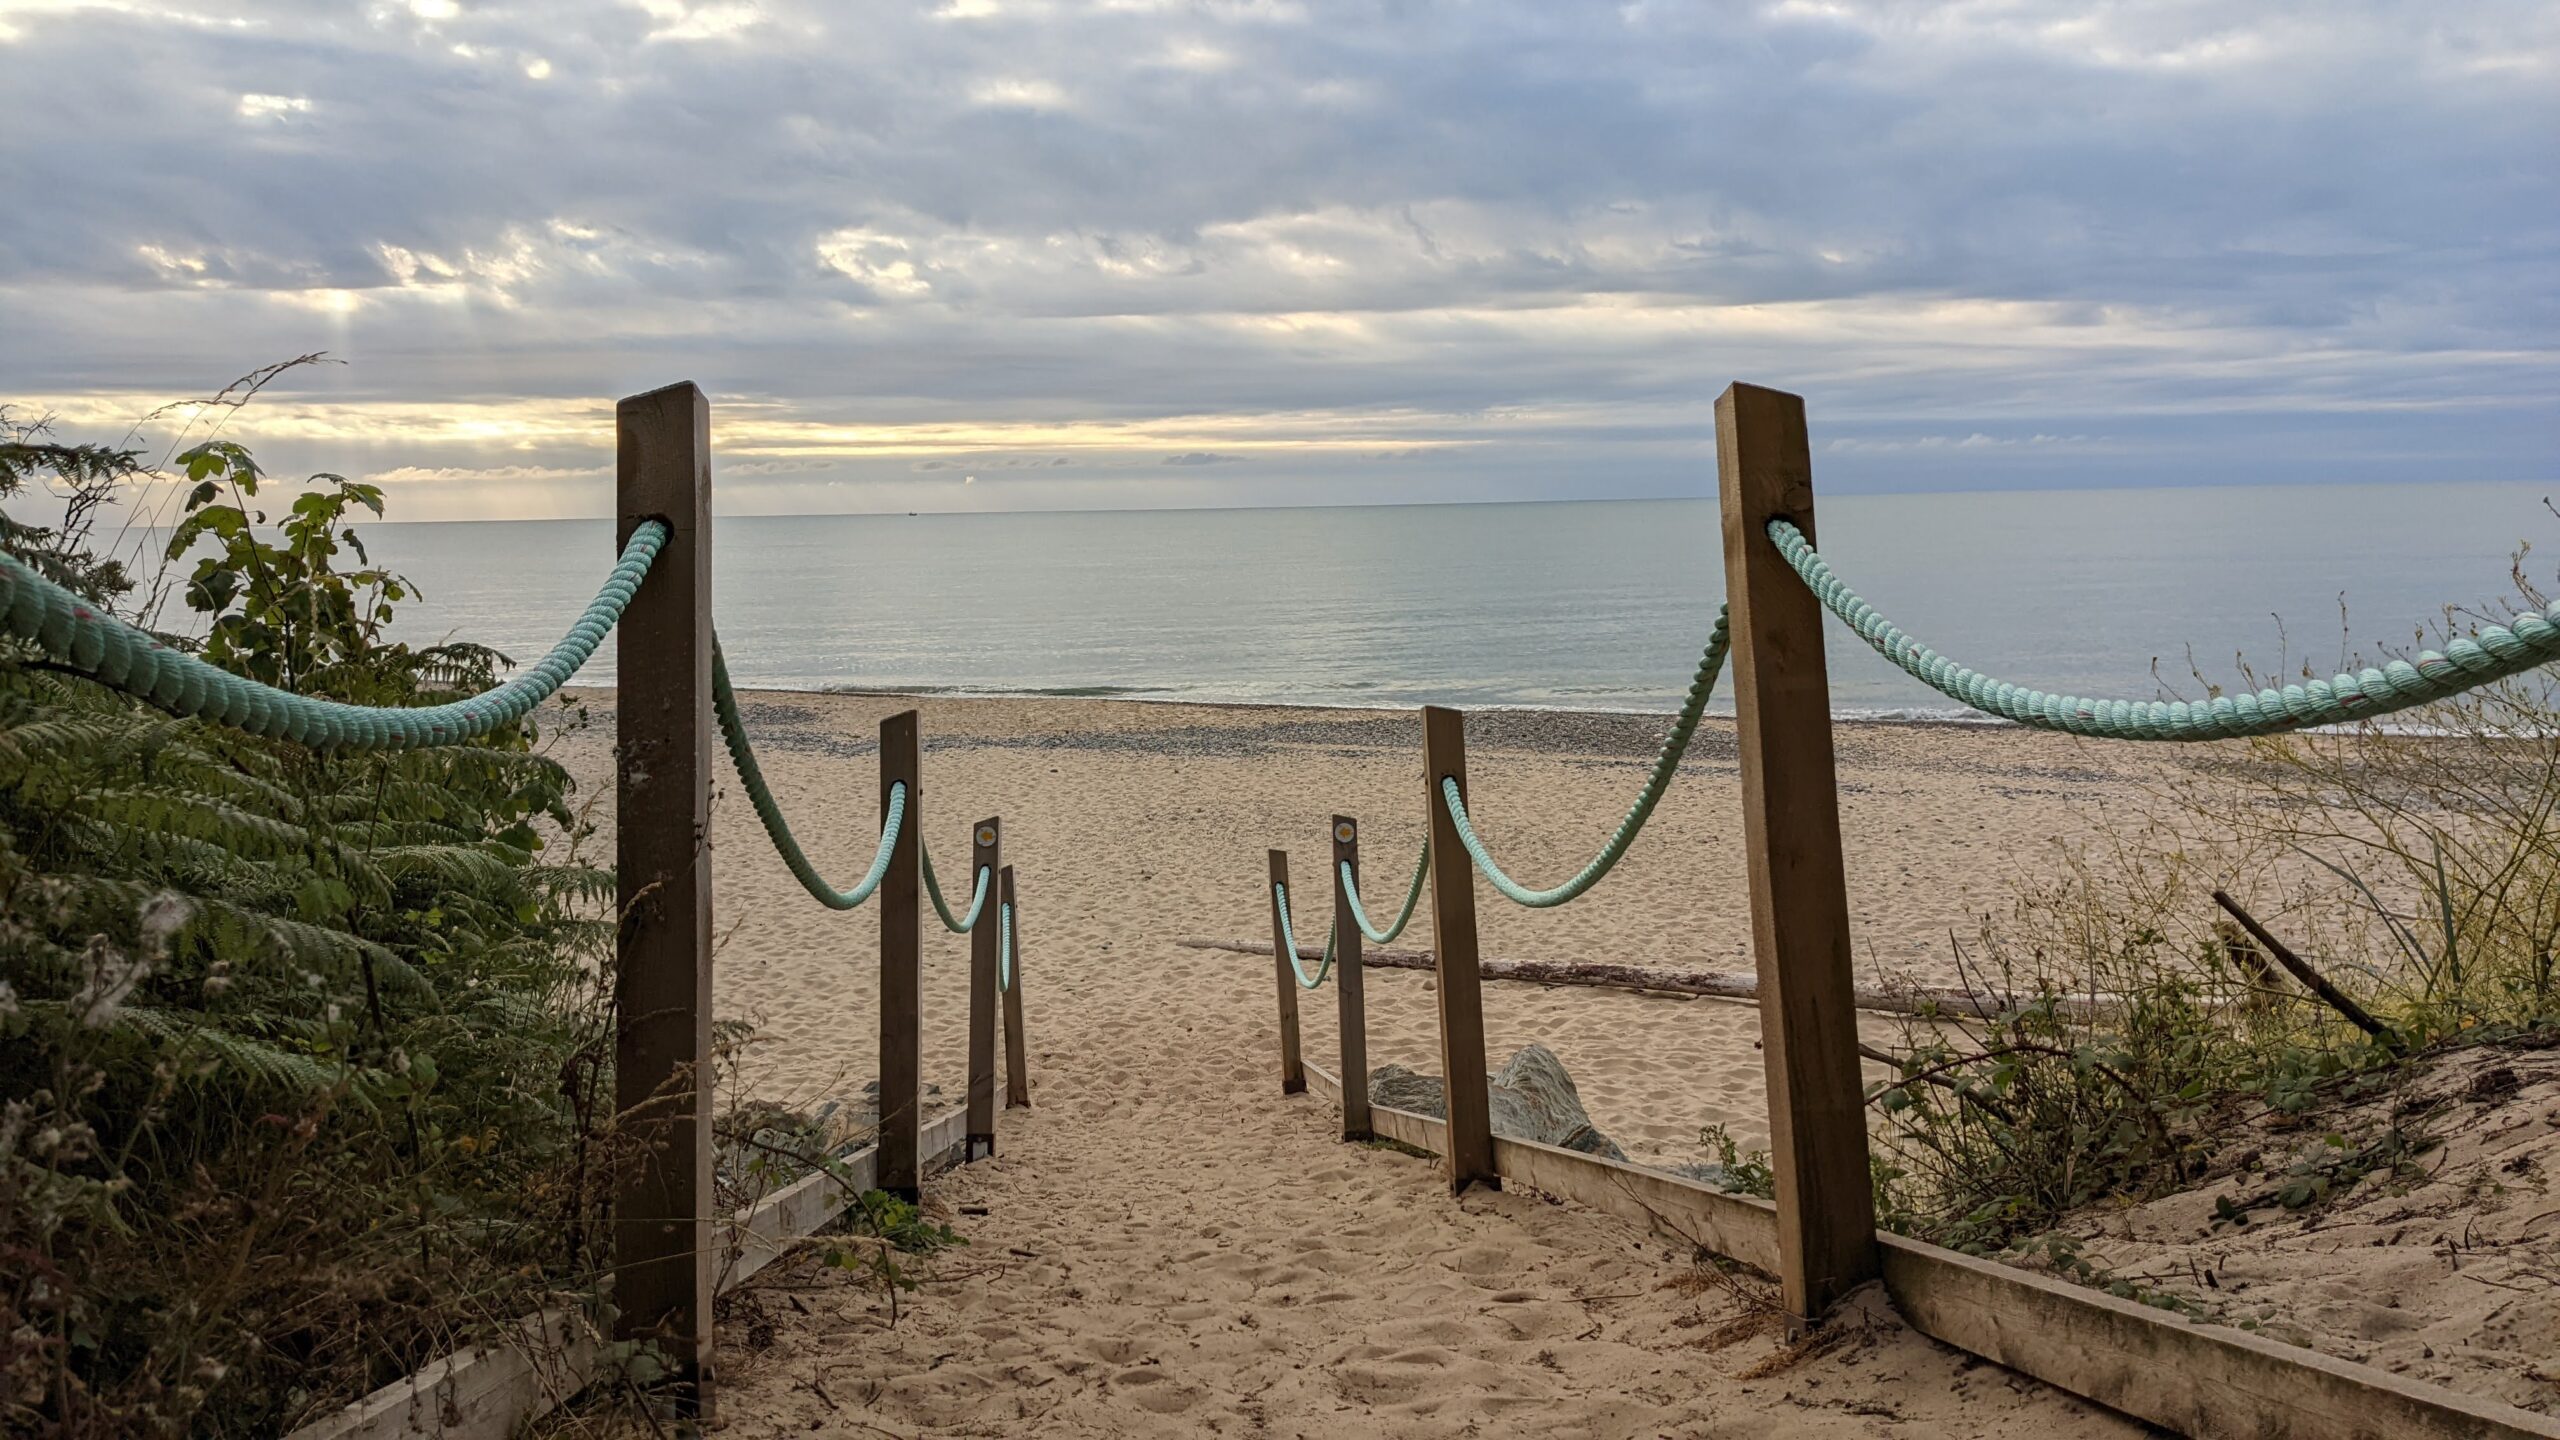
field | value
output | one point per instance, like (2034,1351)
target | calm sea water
(1578,605)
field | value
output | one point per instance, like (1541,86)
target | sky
(1019,254)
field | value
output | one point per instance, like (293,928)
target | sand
(1172,1248)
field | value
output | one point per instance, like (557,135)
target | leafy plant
(2139,1042)
(881,1227)
(303,1056)
(82,479)
(1741,1172)
(285,613)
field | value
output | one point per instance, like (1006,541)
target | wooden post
(1017,1072)
(662,979)
(1293,1073)
(1791,823)
(1348,985)
(986,857)
(902,966)
(1453,947)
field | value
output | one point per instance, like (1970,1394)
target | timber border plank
(2155,1365)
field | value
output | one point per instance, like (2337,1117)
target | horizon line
(1858,494)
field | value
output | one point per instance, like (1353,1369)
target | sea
(1603,605)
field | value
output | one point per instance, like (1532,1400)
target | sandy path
(1195,1257)
(1206,1258)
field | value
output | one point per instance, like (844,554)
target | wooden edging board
(488,1391)
(2208,1381)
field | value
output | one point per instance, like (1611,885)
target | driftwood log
(1718,984)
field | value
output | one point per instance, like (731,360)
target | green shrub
(2415,866)
(300,1053)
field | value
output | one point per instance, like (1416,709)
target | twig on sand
(813,1387)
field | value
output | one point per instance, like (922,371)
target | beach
(1134,826)
(1164,1244)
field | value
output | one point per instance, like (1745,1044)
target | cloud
(2299,239)
(1977,442)
(493,474)
(272,107)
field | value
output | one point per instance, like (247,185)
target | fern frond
(572,884)
(187,863)
(177,811)
(283,1071)
(480,869)
(236,932)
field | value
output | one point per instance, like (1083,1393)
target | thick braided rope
(1665,765)
(1004,947)
(1289,937)
(724,703)
(1360,917)
(2496,652)
(133,661)
(977,903)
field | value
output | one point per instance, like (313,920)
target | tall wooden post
(902,966)
(1293,1072)
(1017,1070)
(662,979)
(1351,1002)
(986,857)
(1453,951)
(1791,823)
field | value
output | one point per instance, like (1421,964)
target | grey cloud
(2297,236)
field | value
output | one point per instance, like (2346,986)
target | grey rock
(1531,1097)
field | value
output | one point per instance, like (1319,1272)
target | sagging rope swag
(140,664)
(977,902)
(2496,653)
(1360,917)
(129,659)
(1289,939)
(1665,765)
(733,730)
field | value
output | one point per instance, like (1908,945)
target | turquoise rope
(1360,917)
(134,661)
(1004,946)
(1665,765)
(1289,937)
(977,903)
(724,703)
(2495,653)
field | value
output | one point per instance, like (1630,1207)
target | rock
(1531,1096)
